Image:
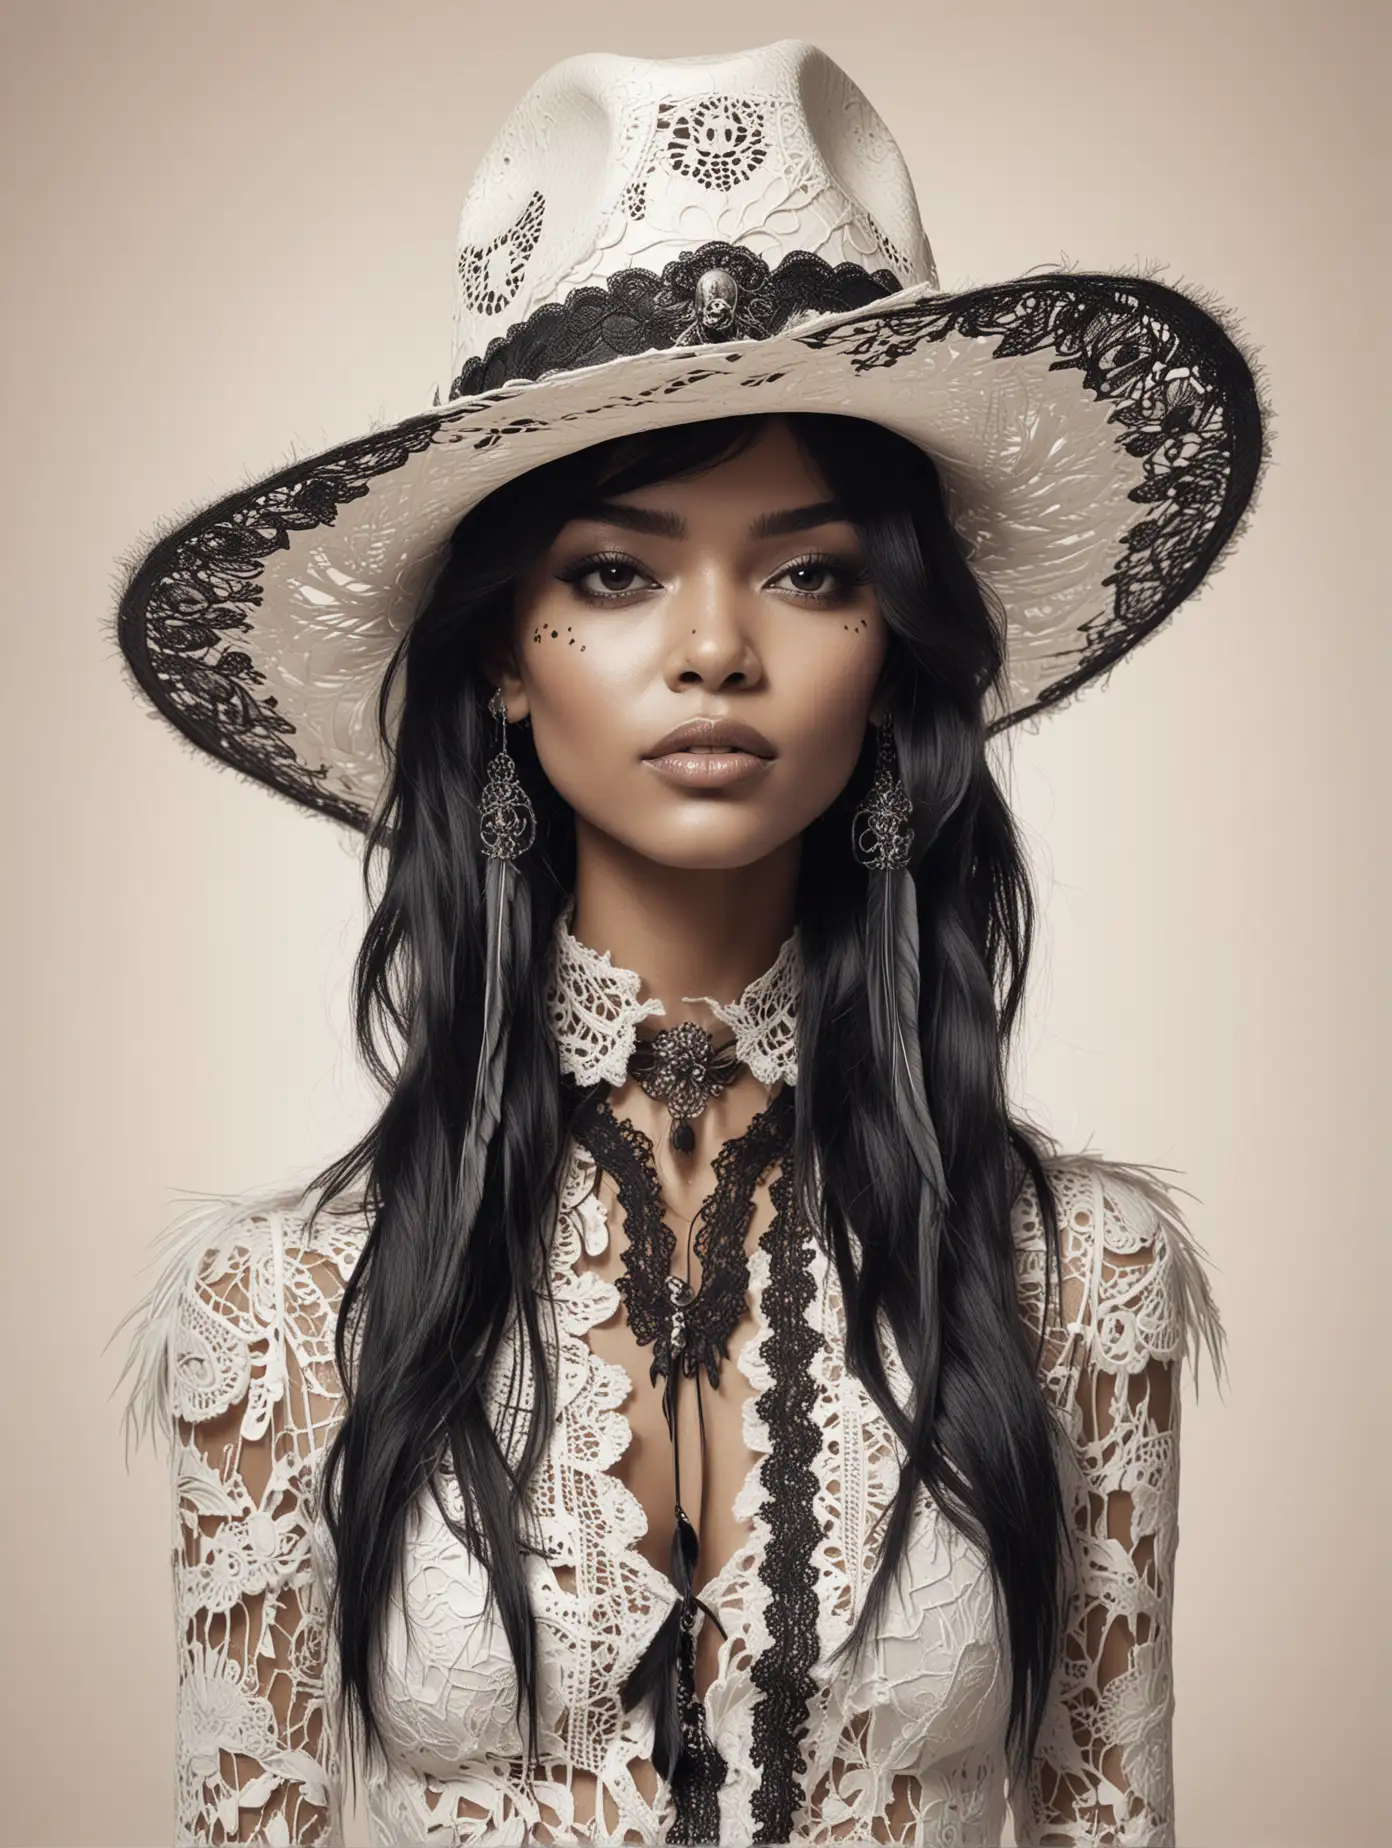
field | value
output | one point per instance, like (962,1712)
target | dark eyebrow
(672,526)
(636,519)
(797,519)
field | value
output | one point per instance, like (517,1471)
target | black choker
(683,1068)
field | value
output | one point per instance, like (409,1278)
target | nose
(712,638)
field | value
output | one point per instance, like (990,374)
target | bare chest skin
(711,1482)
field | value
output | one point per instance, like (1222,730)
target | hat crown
(611,163)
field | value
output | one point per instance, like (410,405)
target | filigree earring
(507,820)
(882,829)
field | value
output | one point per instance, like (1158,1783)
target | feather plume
(208,1227)
(900,925)
(504,906)
(657,1674)
(655,1677)
(893,974)
(1200,1322)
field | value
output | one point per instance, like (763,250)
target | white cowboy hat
(654,242)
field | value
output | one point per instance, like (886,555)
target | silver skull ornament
(716,295)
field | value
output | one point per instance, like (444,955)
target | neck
(685,930)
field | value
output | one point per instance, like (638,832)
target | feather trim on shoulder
(1149,1215)
(1200,1321)
(208,1229)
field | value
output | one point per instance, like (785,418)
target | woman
(698,1409)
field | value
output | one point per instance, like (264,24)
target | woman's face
(738,595)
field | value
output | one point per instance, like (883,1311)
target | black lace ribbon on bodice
(689,1334)
(719,1232)
(783,1673)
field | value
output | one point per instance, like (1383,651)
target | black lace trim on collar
(636,311)
(719,1231)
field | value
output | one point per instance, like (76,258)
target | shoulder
(1130,1286)
(246,1291)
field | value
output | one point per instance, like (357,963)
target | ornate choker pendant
(683,1068)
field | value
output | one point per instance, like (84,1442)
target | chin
(708,843)
(710,861)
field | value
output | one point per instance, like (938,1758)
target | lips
(713,735)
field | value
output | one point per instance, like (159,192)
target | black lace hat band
(719,292)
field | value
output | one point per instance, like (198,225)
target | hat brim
(1100,439)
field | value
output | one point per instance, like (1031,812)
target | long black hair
(905,1154)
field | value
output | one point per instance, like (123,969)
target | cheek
(582,692)
(828,695)
(546,634)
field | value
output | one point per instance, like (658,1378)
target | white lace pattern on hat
(593,1011)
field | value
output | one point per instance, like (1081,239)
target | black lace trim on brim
(637,311)
(1186,407)
(199,587)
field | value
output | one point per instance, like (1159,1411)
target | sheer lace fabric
(236,1363)
(235,1356)
(593,1011)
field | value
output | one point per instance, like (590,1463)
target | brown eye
(811,578)
(602,579)
(611,577)
(823,579)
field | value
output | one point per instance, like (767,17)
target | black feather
(655,1677)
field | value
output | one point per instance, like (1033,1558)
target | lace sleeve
(1135,1301)
(234,1360)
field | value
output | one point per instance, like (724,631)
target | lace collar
(593,1010)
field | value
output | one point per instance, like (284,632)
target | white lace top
(234,1359)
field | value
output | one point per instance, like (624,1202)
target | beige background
(228,234)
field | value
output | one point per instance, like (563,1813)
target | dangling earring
(507,820)
(882,829)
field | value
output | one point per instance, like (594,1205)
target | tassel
(665,1673)
(657,1674)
